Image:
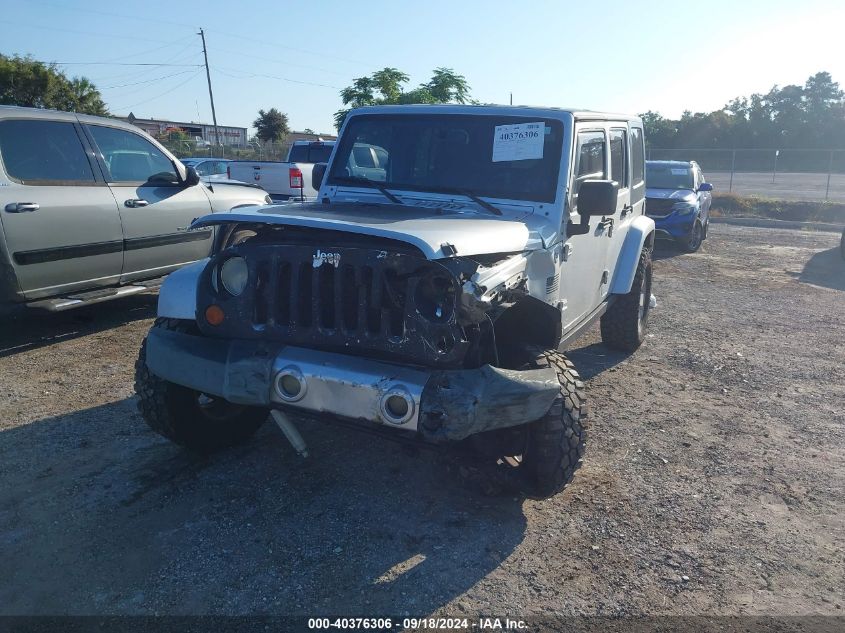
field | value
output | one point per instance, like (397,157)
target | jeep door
(61,224)
(156,206)
(583,269)
(627,160)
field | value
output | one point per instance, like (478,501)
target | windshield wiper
(463,192)
(359,180)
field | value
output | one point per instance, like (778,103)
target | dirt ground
(714,479)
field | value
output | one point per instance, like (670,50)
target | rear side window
(619,157)
(44,152)
(637,155)
(316,153)
(132,158)
(591,158)
(363,156)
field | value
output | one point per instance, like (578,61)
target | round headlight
(234,275)
(435,297)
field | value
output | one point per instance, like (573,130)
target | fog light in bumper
(396,405)
(290,384)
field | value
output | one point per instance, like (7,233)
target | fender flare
(177,297)
(640,235)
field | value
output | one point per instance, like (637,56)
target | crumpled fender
(640,231)
(177,297)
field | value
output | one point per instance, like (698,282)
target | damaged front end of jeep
(367,329)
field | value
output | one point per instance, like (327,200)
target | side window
(363,156)
(132,158)
(44,152)
(591,158)
(619,157)
(220,168)
(637,156)
(205,169)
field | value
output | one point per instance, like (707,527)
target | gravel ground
(714,480)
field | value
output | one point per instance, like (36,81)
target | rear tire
(624,324)
(197,421)
(540,458)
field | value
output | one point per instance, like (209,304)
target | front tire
(624,324)
(692,242)
(197,421)
(539,458)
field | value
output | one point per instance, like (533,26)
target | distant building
(204,132)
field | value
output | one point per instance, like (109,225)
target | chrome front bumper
(439,404)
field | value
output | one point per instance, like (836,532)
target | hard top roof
(505,110)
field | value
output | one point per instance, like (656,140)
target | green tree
(30,83)
(386,87)
(86,97)
(793,116)
(271,125)
(446,86)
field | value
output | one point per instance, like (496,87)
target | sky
(296,56)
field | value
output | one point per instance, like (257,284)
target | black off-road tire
(624,324)
(200,423)
(556,441)
(540,458)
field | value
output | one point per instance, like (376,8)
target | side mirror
(597,197)
(318,172)
(191,177)
(705,186)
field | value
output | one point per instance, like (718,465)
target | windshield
(312,153)
(668,176)
(495,156)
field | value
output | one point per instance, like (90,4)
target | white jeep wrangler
(452,251)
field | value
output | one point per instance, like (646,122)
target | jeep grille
(352,300)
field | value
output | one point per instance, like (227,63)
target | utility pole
(210,93)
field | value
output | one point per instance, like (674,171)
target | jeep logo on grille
(321,258)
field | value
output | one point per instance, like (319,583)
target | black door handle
(22,207)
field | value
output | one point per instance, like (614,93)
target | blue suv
(678,200)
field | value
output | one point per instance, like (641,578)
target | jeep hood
(468,231)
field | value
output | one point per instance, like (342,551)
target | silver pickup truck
(93,209)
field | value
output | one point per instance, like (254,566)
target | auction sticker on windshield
(519,141)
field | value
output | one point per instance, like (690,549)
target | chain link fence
(788,174)
(263,151)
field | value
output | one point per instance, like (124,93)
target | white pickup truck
(289,180)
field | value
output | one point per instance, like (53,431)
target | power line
(285,62)
(146,81)
(120,64)
(74,31)
(223,70)
(166,92)
(158,48)
(248,38)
